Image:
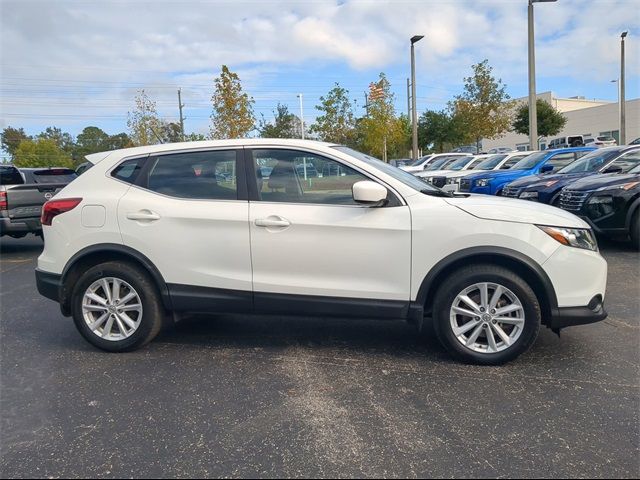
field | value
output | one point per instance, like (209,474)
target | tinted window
(331,182)
(10,175)
(561,160)
(490,163)
(590,162)
(128,170)
(628,161)
(458,164)
(512,161)
(200,175)
(529,161)
(54,175)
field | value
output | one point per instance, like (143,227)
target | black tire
(634,230)
(470,275)
(153,311)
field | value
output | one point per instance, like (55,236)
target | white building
(584,117)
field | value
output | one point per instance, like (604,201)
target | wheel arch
(105,252)
(530,271)
(631,211)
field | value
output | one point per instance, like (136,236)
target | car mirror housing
(546,169)
(370,193)
(613,169)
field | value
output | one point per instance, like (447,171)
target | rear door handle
(143,215)
(272,221)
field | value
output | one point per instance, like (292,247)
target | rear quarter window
(129,170)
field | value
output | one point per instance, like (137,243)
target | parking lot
(240,396)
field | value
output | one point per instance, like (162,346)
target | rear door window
(561,160)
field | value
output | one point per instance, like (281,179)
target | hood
(412,169)
(434,173)
(496,173)
(512,210)
(540,180)
(608,179)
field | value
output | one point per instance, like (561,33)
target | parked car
(493,182)
(566,142)
(609,203)
(501,150)
(635,142)
(436,177)
(600,141)
(472,149)
(427,161)
(126,244)
(311,171)
(400,162)
(22,194)
(80,169)
(546,188)
(503,161)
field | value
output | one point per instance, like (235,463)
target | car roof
(167,147)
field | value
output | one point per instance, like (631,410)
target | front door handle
(272,221)
(144,215)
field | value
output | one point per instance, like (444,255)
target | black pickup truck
(22,194)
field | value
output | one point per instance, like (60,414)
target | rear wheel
(486,314)
(116,307)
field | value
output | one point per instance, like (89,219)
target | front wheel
(486,314)
(116,307)
(634,231)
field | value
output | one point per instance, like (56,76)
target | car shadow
(28,244)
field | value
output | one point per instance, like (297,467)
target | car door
(560,160)
(314,249)
(188,214)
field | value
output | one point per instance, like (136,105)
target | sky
(75,63)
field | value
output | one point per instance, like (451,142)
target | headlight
(529,196)
(483,182)
(622,186)
(600,206)
(572,237)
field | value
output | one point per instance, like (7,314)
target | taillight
(55,207)
(3,200)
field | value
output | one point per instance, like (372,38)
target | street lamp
(414,115)
(623,120)
(533,114)
(301,117)
(617,82)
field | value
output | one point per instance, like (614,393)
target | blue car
(492,182)
(547,188)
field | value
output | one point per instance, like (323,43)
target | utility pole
(180,105)
(301,117)
(366,103)
(414,113)
(408,99)
(623,120)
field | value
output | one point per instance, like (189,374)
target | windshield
(459,164)
(635,169)
(394,172)
(491,162)
(590,162)
(420,161)
(530,161)
(438,163)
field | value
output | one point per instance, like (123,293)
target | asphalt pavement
(242,396)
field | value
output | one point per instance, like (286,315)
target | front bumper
(48,284)
(570,316)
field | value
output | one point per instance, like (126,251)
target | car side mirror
(613,169)
(546,169)
(370,193)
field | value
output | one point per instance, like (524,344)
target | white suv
(196,227)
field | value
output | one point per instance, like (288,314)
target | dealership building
(584,117)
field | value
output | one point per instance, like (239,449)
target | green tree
(63,140)
(42,152)
(11,138)
(438,131)
(337,122)
(550,120)
(143,122)
(484,108)
(380,131)
(90,140)
(285,124)
(232,115)
(194,137)
(170,132)
(118,141)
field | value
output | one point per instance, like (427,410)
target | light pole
(301,117)
(617,82)
(533,113)
(623,120)
(414,114)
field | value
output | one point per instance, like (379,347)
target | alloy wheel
(112,309)
(487,317)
